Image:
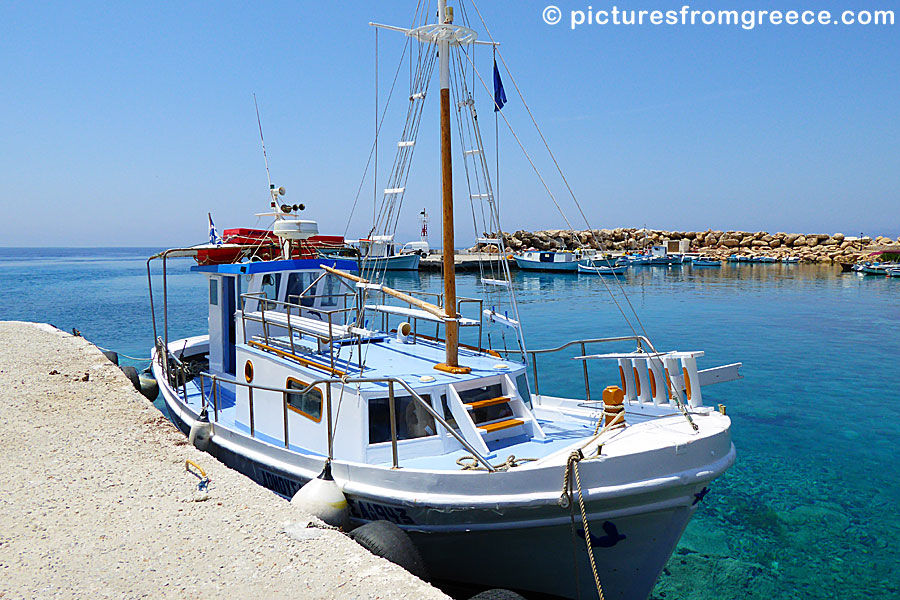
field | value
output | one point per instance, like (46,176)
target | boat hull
(554,267)
(399,262)
(634,527)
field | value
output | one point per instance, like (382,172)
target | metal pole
(330,426)
(215,385)
(284,401)
(165,306)
(587,385)
(252,424)
(393,423)
(537,389)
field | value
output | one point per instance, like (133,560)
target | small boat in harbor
(498,482)
(539,260)
(596,269)
(875,268)
(706,261)
(790,260)
(377,253)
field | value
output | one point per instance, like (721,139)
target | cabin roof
(411,362)
(272,266)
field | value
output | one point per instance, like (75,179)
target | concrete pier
(463,262)
(96,503)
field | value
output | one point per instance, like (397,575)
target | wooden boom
(426,306)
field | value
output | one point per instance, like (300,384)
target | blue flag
(499,93)
(213,235)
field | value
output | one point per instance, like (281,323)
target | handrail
(342,381)
(626,338)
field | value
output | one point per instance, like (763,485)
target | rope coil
(470,463)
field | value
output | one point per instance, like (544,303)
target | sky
(123,124)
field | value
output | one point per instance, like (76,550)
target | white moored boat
(378,254)
(498,483)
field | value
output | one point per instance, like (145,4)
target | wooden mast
(451,326)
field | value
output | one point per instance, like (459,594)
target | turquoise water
(810,509)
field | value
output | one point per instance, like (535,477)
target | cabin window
(214,292)
(522,386)
(296,284)
(411,419)
(331,289)
(309,404)
(269,288)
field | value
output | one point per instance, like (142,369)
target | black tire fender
(384,539)
(112,356)
(497,594)
(132,375)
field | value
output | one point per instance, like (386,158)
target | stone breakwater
(810,247)
(96,503)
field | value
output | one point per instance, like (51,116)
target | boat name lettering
(375,512)
(277,483)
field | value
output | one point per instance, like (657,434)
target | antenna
(262,141)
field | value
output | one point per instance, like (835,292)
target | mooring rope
(572,467)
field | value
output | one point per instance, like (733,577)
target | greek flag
(499,93)
(213,236)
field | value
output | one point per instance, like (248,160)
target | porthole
(248,371)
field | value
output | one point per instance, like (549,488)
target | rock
(730,243)
(775,243)
(799,241)
(759,244)
(830,242)
(746,242)
(812,241)
(838,236)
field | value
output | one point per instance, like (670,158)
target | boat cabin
(296,329)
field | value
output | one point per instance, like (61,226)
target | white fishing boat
(552,261)
(589,267)
(498,482)
(377,253)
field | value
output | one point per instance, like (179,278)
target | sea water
(811,508)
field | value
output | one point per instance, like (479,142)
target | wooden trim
(303,361)
(297,410)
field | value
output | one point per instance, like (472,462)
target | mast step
(481,196)
(406,143)
(489,427)
(395,190)
(484,403)
(473,151)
